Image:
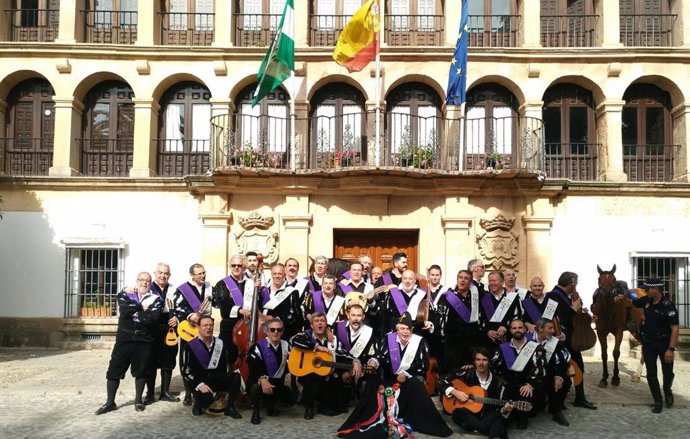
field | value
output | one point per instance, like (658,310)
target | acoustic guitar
(477,399)
(363,297)
(187,330)
(302,362)
(171,336)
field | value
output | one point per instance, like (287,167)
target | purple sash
(399,300)
(190,296)
(341,332)
(319,305)
(346,275)
(531,308)
(387,279)
(200,352)
(508,354)
(310,284)
(347,288)
(561,294)
(266,294)
(459,307)
(394,351)
(488,305)
(133,296)
(237,295)
(269,357)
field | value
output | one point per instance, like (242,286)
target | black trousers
(219,382)
(653,351)
(492,424)
(328,391)
(164,356)
(136,354)
(281,394)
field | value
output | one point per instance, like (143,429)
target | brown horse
(611,319)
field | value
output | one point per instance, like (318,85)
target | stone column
(294,239)
(222,110)
(530,29)
(608,29)
(537,248)
(302,24)
(148,23)
(215,247)
(459,243)
(609,122)
(3,118)
(371,134)
(302,138)
(66,149)
(71,27)
(531,135)
(5,21)
(453,159)
(453,14)
(222,24)
(681,136)
(681,33)
(146,112)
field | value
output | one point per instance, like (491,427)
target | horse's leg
(638,373)
(615,380)
(604,359)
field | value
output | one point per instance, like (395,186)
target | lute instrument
(171,337)
(477,399)
(187,330)
(364,297)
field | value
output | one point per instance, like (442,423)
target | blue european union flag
(457,76)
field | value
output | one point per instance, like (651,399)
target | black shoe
(196,411)
(149,399)
(139,406)
(105,408)
(657,406)
(668,396)
(167,396)
(327,411)
(187,399)
(231,411)
(584,404)
(309,413)
(256,417)
(522,423)
(558,417)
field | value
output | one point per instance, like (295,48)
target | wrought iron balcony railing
(572,161)
(324,30)
(34,25)
(106,157)
(27,156)
(414,30)
(568,30)
(110,27)
(187,29)
(652,163)
(493,30)
(177,158)
(649,30)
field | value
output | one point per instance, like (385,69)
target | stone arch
(89,82)
(10,81)
(583,82)
(330,79)
(424,79)
(667,84)
(171,80)
(508,83)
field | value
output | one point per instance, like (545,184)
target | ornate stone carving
(498,245)
(257,236)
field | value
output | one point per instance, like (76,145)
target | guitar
(302,362)
(574,372)
(477,399)
(187,330)
(171,337)
(363,297)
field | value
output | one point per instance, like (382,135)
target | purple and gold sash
(531,309)
(508,354)
(269,356)
(190,296)
(387,279)
(341,332)
(458,305)
(399,300)
(488,305)
(234,289)
(347,288)
(319,305)
(394,350)
(265,295)
(200,352)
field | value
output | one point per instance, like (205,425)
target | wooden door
(379,245)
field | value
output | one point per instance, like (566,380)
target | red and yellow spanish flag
(358,43)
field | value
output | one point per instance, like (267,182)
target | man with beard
(537,305)
(393,276)
(252,262)
(292,278)
(458,316)
(518,362)
(282,301)
(557,382)
(404,298)
(325,301)
(499,308)
(491,420)
(358,340)
(397,399)
(367,264)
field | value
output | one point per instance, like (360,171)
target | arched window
(30,129)
(108,129)
(647,150)
(338,129)
(568,115)
(491,127)
(185,130)
(262,130)
(413,123)
(567,23)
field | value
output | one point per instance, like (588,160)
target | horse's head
(607,280)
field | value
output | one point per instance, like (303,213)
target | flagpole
(293,135)
(461,139)
(378,91)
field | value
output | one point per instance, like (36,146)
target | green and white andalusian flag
(280,58)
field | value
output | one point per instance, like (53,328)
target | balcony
(177,158)
(110,27)
(410,143)
(324,30)
(493,30)
(106,157)
(414,30)
(650,163)
(255,30)
(651,30)
(186,29)
(568,30)
(26,156)
(34,25)
(572,161)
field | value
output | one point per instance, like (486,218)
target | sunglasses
(275,329)
(236,265)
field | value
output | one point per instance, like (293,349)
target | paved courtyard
(52,393)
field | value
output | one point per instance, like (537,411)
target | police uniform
(659,318)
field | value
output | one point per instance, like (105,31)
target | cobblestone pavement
(51,393)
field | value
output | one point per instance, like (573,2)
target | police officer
(659,338)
